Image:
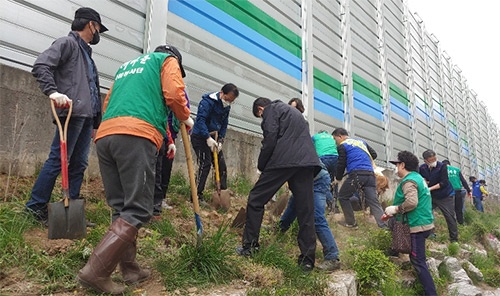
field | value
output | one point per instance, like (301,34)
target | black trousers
(459,205)
(162,177)
(300,182)
(205,161)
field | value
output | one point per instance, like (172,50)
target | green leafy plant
(240,185)
(374,271)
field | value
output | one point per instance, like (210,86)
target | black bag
(401,241)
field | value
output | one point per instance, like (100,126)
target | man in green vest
(133,127)
(458,183)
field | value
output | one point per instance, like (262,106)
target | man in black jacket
(356,157)
(287,155)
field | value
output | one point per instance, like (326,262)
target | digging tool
(240,219)
(66,217)
(221,198)
(192,183)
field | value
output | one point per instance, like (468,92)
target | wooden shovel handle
(189,161)
(63,135)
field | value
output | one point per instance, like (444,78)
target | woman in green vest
(413,199)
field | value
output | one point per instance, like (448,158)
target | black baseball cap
(92,15)
(166,48)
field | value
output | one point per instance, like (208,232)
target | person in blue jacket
(213,116)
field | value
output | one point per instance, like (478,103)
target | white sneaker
(166,206)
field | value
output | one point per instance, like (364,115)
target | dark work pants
(205,161)
(459,204)
(447,207)
(418,260)
(300,182)
(127,165)
(368,184)
(162,177)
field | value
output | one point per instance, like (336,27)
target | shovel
(66,217)
(192,183)
(221,198)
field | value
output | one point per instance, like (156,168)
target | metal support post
(347,83)
(410,80)
(156,24)
(384,80)
(308,62)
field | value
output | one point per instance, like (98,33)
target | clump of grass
(13,223)
(453,249)
(374,272)
(179,185)
(212,261)
(240,185)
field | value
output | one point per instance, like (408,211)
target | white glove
(189,122)
(391,210)
(212,144)
(219,146)
(60,100)
(258,172)
(171,151)
(335,182)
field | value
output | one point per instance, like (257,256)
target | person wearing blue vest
(413,198)
(478,192)
(435,174)
(356,157)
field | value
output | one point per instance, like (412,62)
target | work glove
(391,210)
(334,183)
(212,144)
(258,172)
(60,100)
(189,122)
(171,151)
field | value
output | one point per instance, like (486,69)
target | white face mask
(226,103)
(433,164)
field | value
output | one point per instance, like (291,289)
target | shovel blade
(67,222)
(280,205)
(240,219)
(222,200)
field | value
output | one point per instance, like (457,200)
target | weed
(179,185)
(492,277)
(374,271)
(453,249)
(240,185)
(209,262)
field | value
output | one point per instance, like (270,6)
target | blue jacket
(476,189)
(439,174)
(212,116)
(353,156)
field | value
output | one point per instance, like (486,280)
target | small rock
(192,289)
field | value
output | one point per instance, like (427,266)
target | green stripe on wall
(366,88)
(398,94)
(327,84)
(261,22)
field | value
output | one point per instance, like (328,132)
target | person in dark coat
(287,155)
(435,174)
(212,116)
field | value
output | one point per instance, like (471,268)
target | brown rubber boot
(96,274)
(132,273)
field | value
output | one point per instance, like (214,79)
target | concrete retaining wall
(26,132)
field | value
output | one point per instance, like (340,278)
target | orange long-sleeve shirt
(175,98)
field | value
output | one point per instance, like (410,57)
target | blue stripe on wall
(224,26)
(328,105)
(400,108)
(367,105)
